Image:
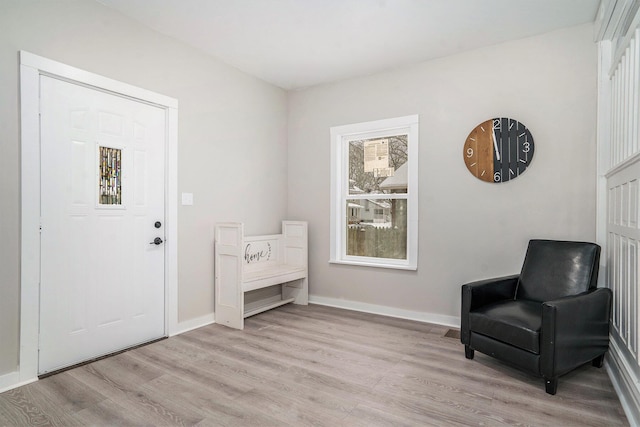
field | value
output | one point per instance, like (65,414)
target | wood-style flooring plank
(216,410)
(310,365)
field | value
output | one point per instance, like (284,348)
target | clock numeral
(526,147)
(469,152)
(497,177)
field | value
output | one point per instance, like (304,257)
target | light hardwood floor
(310,365)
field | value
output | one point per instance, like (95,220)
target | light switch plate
(187,199)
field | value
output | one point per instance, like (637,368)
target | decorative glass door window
(110,186)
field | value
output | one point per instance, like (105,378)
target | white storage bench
(257,273)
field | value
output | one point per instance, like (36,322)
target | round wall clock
(498,150)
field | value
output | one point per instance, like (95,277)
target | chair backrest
(555,269)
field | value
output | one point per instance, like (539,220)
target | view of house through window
(376,206)
(374,193)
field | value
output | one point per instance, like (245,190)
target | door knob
(156,241)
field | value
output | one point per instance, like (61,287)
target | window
(374,193)
(110,185)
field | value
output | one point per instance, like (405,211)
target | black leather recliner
(549,319)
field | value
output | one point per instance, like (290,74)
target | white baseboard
(383,310)
(191,324)
(12,380)
(625,382)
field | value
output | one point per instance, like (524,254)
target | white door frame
(31,67)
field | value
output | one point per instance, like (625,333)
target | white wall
(232,136)
(233,153)
(468,229)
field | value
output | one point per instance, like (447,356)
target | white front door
(102,206)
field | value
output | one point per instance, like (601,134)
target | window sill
(375,264)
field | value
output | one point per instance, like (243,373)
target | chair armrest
(487,291)
(574,331)
(482,292)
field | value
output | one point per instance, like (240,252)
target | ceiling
(300,43)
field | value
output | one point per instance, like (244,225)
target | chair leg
(551,385)
(468,352)
(598,361)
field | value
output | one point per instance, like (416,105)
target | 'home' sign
(258,251)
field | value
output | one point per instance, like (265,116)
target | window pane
(110,186)
(374,189)
(377,228)
(378,165)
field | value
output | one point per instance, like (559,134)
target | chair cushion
(555,269)
(512,322)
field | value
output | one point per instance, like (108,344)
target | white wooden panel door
(102,280)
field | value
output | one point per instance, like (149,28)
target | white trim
(339,173)
(418,316)
(605,23)
(171,220)
(603,153)
(373,262)
(625,39)
(190,325)
(48,66)
(624,165)
(31,67)
(625,382)
(30,219)
(12,380)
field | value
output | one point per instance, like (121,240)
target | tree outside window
(377,169)
(374,193)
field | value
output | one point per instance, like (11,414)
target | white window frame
(340,137)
